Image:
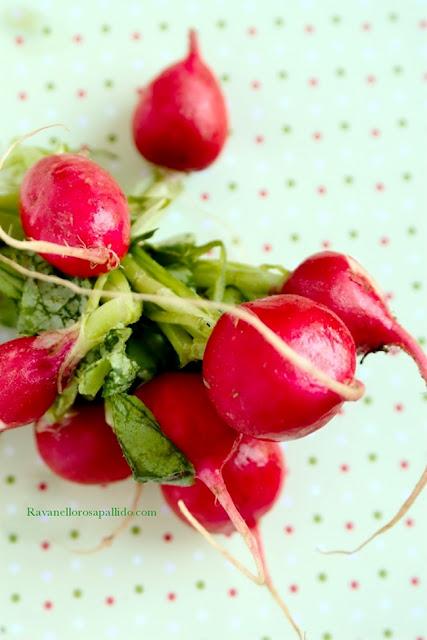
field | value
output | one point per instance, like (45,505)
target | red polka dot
(399,407)
(375,133)
(349,526)
(171,596)
(22,95)
(321,190)
(366,26)
(263,193)
(415,581)
(256,84)
(77,38)
(42,486)
(289,529)
(109,600)
(252,31)
(313,82)
(167,537)
(409,522)
(371,79)
(204,196)
(19,40)
(293,588)
(326,244)
(136,35)
(384,241)
(354,585)
(267,247)
(422,24)
(45,545)
(317,136)
(309,29)
(259,139)
(379,186)
(344,468)
(232,592)
(48,604)
(81,93)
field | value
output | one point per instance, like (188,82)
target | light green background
(368,103)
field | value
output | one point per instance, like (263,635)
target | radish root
(390,524)
(351,391)
(239,566)
(108,540)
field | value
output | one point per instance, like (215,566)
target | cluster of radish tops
(157,359)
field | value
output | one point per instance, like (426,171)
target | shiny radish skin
(82,448)
(181,120)
(180,404)
(340,282)
(69,200)
(29,370)
(260,393)
(254,476)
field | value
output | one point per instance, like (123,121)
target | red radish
(181,406)
(260,393)
(69,200)
(253,475)
(29,369)
(83,448)
(180,121)
(339,282)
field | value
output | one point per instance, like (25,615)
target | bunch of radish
(157,361)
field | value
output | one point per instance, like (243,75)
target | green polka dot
(393,17)
(327,636)
(10,479)
(15,597)
(74,534)
(344,126)
(163,26)
(353,233)
(382,573)
(377,515)
(406,176)
(12,537)
(225,77)
(283,75)
(221,24)
(232,186)
(397,70)
(53,140)
(139,588)
(317,518)
(50,86)
(387,633)
(417,285)
(312,460)
(105,28)
(412,231)
(290,183)
(336,19)
(368,400)
(46,31)
(348,179)
(340,72)
(295,238)
(77,593)
(286,128)
(372,457)
(112,137)
(200,584)
(279,22)
(135,530)
(108,84)
(402,122)
(322,577)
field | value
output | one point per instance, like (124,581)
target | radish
(254,476)
(339,282)
(180,121)
(180,404)
(29,369)
(258,392)
(68,200)
(83,448)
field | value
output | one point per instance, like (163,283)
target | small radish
(180,121)
(83,448)
(339,282)
(181,406)
(253,475)
(69,200)
(29,369)
(260,393)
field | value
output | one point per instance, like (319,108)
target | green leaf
(151,456)
(8,312)
(45,306)
(151,350)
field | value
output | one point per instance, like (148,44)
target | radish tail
(214,481)
(405,341)
(270,586)
(107,541)
(394,520)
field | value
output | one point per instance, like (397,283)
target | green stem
(161,274)
(180,340)
(10,285)
(257,280)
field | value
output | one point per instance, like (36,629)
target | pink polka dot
(293,588)
(252,31)
(19,40)
(289,530)
(409,522)
(256,84)
(77,38)
(48,605)
(167,537)
(313,82)
(263,193)
(42,486)
(232,592)
(136,35)
(375,133)
(366,26)
(399,407)
(267,247)
(171,596)
(22,95)
(423,24)
(204,196)
(380,186)
(349,526)
(317,136)
(415,581)
(371,79)
(384,241)
(309,29)
(344,468)
(326,244)
(109,601)
(45,545)
(81,93)
(354,585)
(259,139)
(321,190)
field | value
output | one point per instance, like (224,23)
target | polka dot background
(327,103)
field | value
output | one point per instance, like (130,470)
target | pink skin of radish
(180,121)
(339,282)
(29,369)
(259,393)
(253,475)
(181,406)
(69,200)
(82,448)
